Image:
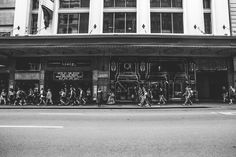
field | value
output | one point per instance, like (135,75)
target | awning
(118,45)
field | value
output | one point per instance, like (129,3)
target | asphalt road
(119,133)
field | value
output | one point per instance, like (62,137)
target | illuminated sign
(68,76)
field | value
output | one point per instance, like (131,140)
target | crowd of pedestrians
(69,96)
(77,96)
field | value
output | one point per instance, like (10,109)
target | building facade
(116,45)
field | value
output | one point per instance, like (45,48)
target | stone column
(143,16)
(12,73)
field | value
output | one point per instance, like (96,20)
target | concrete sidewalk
(216,105)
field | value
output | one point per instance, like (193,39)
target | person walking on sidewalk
(224,94)
(162,99)
(188,94)
(99,97)
(231,94)
(3,97)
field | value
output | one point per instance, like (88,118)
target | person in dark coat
(99,97)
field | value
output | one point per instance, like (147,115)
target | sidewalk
(216,105)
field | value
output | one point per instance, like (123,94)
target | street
(117,132)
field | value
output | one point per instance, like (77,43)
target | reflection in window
(119,3)
(166,22)
(119,23)
(74,3)
(34,25)
(73,23)
(207,23)
(166,3)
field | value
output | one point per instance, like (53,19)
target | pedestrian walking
(11,96)
(99,97)
(162,99)
(224,94)
(62,94)
(30,97)
(3,97)
(231,94)
(42,97)
(188,94)
(111,98)
(49,97)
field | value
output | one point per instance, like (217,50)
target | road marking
(31,126)
(224,113)
(63,114)
(228,113)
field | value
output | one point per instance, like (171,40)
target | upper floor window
(74,3)
(73,23)
(34,21)
(206,4)
(119,3)
(119,22)
(167,22)
(166,3)
(35,4)
(207,16)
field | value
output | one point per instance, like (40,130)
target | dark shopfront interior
(209,84)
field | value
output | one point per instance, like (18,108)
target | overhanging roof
(118,45)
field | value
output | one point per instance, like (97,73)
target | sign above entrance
(67,76)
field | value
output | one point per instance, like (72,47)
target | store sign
(27,76)
(68,76)
(103,74)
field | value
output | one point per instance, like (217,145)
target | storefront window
(73,23)
(119,23)
(119,3)
(74,3)
(166,22)
(166,3)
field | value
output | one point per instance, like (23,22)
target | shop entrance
(126,91)
(4,81)
(64,80)
(209,84)
(25,85)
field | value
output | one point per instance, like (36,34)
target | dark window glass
(177,3)
(34,25)
(207,22)
(155,3)
(166,23)
(155,23)
(83,28)
(119,3)
(130,22)
(73,23)
(85,3)
(35,4)
(74,3)
(166,3)
(206,4)
(108,23)
(130,3)
(108,3)
(119,22)
(178,23)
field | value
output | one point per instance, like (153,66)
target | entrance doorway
(125,91)
(209,84)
